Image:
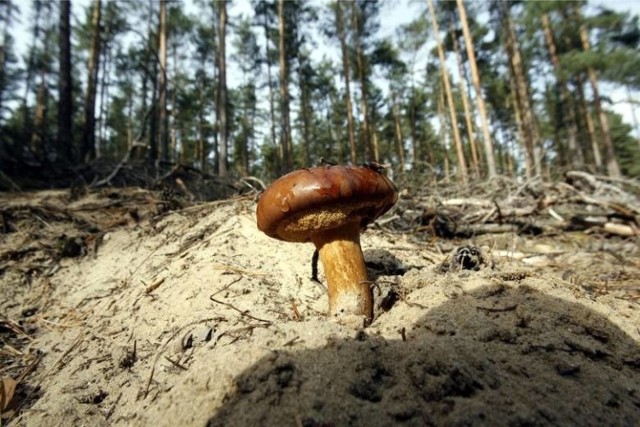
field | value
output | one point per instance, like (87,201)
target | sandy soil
(194,317)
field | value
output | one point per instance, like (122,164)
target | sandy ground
(196,318)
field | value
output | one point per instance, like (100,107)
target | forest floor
(119,307)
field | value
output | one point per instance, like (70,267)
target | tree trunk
(346,76)
(305,110)
(222,89)
(6,19)
(104,97)
(465,104)
(89,131)
(202,144)
(285,136)
(519,126)
(591,128)
(369,143)
(613,168)
(575,155)
(528,118)
(40,116)
(272,125)
(462,166)
(475,76)
(398,132)
(65,86)
(442,136)
(27,128)
(163,128)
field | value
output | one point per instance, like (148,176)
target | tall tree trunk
(591,127)
(346,76)
(369,143)
(443,135)
(613,168)
(285,136)
(65,85)
(465,104)
(89,131)
(305,110)
(163,128)
(222,89)
(398,133)
(202,144)
(413,131)
(6,19)
(462,165)
(475,76)
(575,155)
(40,115)
(521,137)
(104,98)
(272,109)
(528,118)
(27,128)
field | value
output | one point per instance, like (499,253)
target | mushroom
(329,205)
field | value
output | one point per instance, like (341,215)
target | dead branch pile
(582,202)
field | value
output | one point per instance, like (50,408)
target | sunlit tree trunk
(531,137)
(29,131)
(272,109)
(305,108)
(613,168)
(104,97)
(475,162)
(222,89)
(443,137)
(475,76)
(346,76)
(575,155)
(369,144)
(285,136)
(519,126)
(89,131)
(65,85)
(163,128)
(462,166)
(591,127)
(398,133)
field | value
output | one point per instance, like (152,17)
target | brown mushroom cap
(308,201)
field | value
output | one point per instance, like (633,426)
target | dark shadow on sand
(496,356)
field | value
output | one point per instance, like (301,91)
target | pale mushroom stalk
(345,270)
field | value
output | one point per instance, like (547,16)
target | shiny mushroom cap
(308,201)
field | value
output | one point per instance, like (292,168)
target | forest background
(458,91)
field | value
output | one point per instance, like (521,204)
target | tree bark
(285,136)
(475,161)
(163,128)
(475,76)
(613,168)
(272,125)
(462,165)
(369,143)
(89,131)
(65,86)
(531,137)
(222,89)
(346,76)
(575,155)
(591,127)
(305,110)
(398,132)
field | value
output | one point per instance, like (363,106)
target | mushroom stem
(345,270)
